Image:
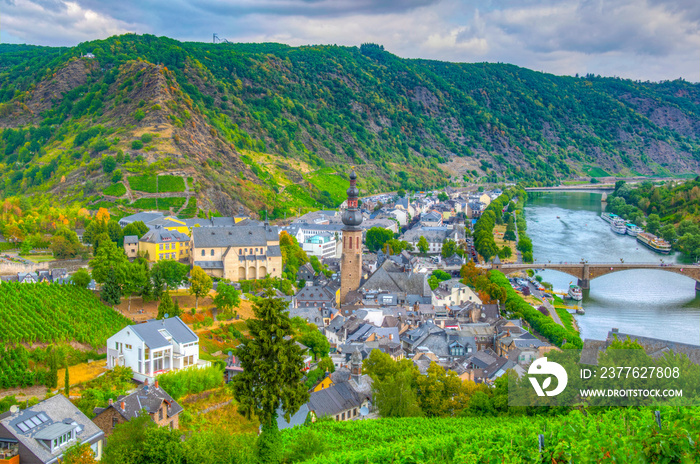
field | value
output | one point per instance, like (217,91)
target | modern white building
(154,347)
(322,245)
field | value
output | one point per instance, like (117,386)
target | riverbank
(566,227)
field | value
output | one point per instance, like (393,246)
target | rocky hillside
(266,126)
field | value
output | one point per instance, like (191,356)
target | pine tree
(272,374)
(66,383)
(111,291)
(176,308)
(166,306)
(52,375)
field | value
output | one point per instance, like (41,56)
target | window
(337,417)
(212,252)
(128,347)
(357,242)
(160,247)
(354,412)
(160,414)
(202,252)
(343,416)
(115,421)
(240,252)
(350,242)
(147,354)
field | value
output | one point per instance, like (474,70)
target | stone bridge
(585,272)
(581,188)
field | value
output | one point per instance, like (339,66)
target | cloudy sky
(637,39)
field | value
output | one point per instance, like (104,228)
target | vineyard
(619,435)
(46,313)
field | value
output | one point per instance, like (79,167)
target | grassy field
(163,203)
(171,184)
(326,179)
(115,190)
(596,172)
(143,183)
(498,232)
(84,372)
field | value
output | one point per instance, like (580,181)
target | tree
(177,312)
(442,196)
(52,377)
(668,233)
(80,453)
(66,383)
(200,284)
(137,280)
(317,342)
(401,193)
(65,244)
(449,248)
(272,364)
(141,441)
(653,224)
(393,384)
(169,273)
(165,306)
(376,238)
(81,278)
(108,164)
(227,297)
(422,245)
(438,391)
(326,365)
(137,228)
(111,291)
(109,268)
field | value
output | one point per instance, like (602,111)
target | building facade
(351,258)
(153,348)
(237,252)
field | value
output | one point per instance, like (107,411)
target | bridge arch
(585,272)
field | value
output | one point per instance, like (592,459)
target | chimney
(156,383)
(111,401)
(123,405)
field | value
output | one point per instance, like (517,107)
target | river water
(566,227)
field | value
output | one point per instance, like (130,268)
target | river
(567,227)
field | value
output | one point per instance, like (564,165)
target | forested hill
(269,125)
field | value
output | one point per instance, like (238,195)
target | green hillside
(265,125)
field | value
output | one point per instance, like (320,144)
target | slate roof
(145,216)
(390,278)
(431,234)
(59,412)
(164,236)
(131,239)
(233,236)
(334,400)
(150,333)
(148,397)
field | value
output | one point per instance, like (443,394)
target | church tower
(351,259)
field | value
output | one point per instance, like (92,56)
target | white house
(323,245)
(453,292)
(154,347)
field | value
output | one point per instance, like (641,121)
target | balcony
(9,455)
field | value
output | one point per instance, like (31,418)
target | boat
(575,292)
(608,217)
(618,226)
(654,243)
(633,230)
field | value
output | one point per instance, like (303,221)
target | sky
(636,39)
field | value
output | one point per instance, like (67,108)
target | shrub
(139,115)
(184,382)
(146,138)
(136,145)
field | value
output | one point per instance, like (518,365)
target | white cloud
(640,39)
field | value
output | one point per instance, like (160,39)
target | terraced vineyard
(49,313)
(619,435)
